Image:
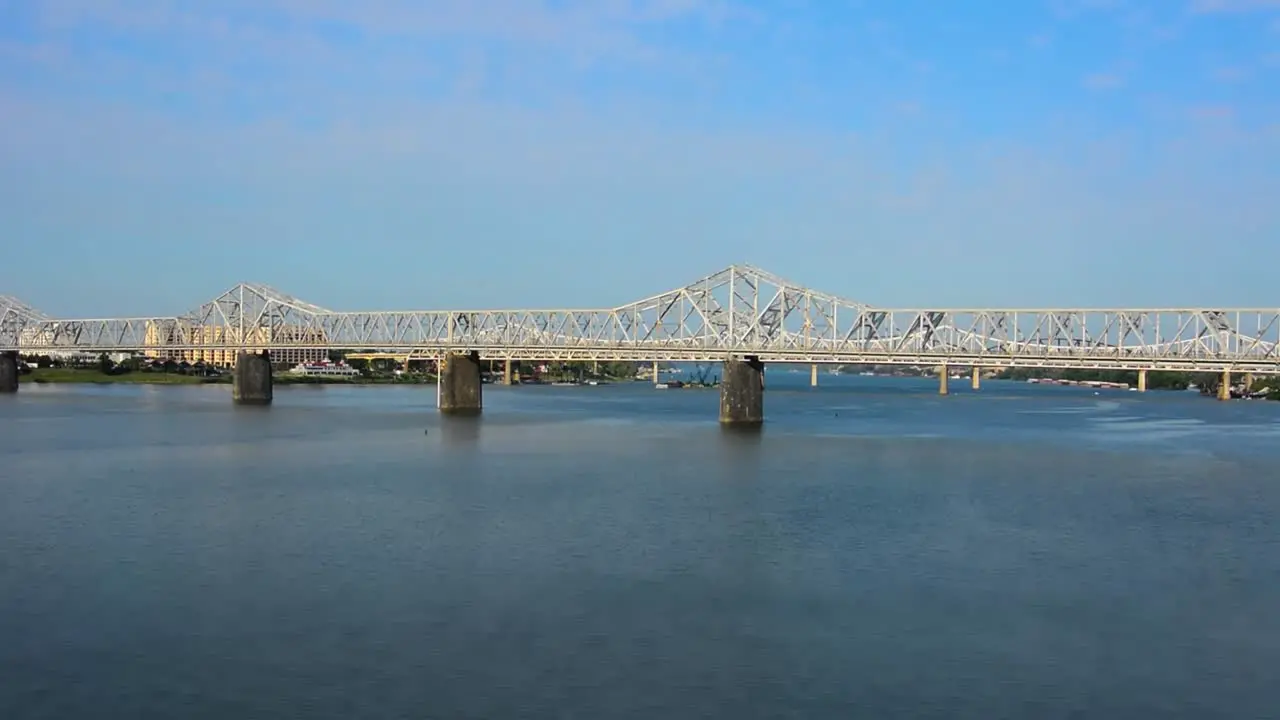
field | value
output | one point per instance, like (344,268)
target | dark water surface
(876,551)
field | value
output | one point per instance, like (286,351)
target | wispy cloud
(604,28)
(1213,112)
(317,57)
(1073,8)
(1229,74)
(599,126)
(1233,6)
(1103,81)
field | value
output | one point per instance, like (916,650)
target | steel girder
(739,310)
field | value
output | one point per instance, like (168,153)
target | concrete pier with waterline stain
(252,383)
(8,372)
(742,392)
(459,389)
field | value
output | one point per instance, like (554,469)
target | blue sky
(388,154)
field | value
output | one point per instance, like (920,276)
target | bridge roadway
(742,316)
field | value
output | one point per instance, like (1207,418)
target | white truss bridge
(741,310)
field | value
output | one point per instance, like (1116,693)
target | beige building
(38,336)
(276,340)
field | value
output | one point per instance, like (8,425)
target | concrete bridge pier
(813,375)
(251,383)
(8,372)
(1142,381)
(742,392)
(458,388)
(944,374)
(506,373)
(1224,387)
(976,380)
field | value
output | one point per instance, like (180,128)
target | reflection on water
(460,430)
(874,550)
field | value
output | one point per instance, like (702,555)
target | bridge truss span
(741,310)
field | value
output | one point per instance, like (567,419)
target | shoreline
(64,376)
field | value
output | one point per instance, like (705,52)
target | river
(609,552)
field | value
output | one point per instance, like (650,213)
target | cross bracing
(741,310)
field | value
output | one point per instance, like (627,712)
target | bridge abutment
(251,383)
(742,392)
(459,389)
(8,372)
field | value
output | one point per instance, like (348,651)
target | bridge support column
(458,392)
(1142,381)
(656,377)
(251,383)
(506,372)
(1224,386)
(944,374)
(742,392)
(976,380)
(8,372)
(1248,382)
(813,375)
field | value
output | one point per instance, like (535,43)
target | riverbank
(97,377)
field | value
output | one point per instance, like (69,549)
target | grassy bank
(66,375)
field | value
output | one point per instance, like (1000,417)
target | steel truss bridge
(742,311)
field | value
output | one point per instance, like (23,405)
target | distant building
(38,335)
(280,341)
(45,335)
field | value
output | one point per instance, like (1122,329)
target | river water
(876,551)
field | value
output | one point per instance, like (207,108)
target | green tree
(618,369)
